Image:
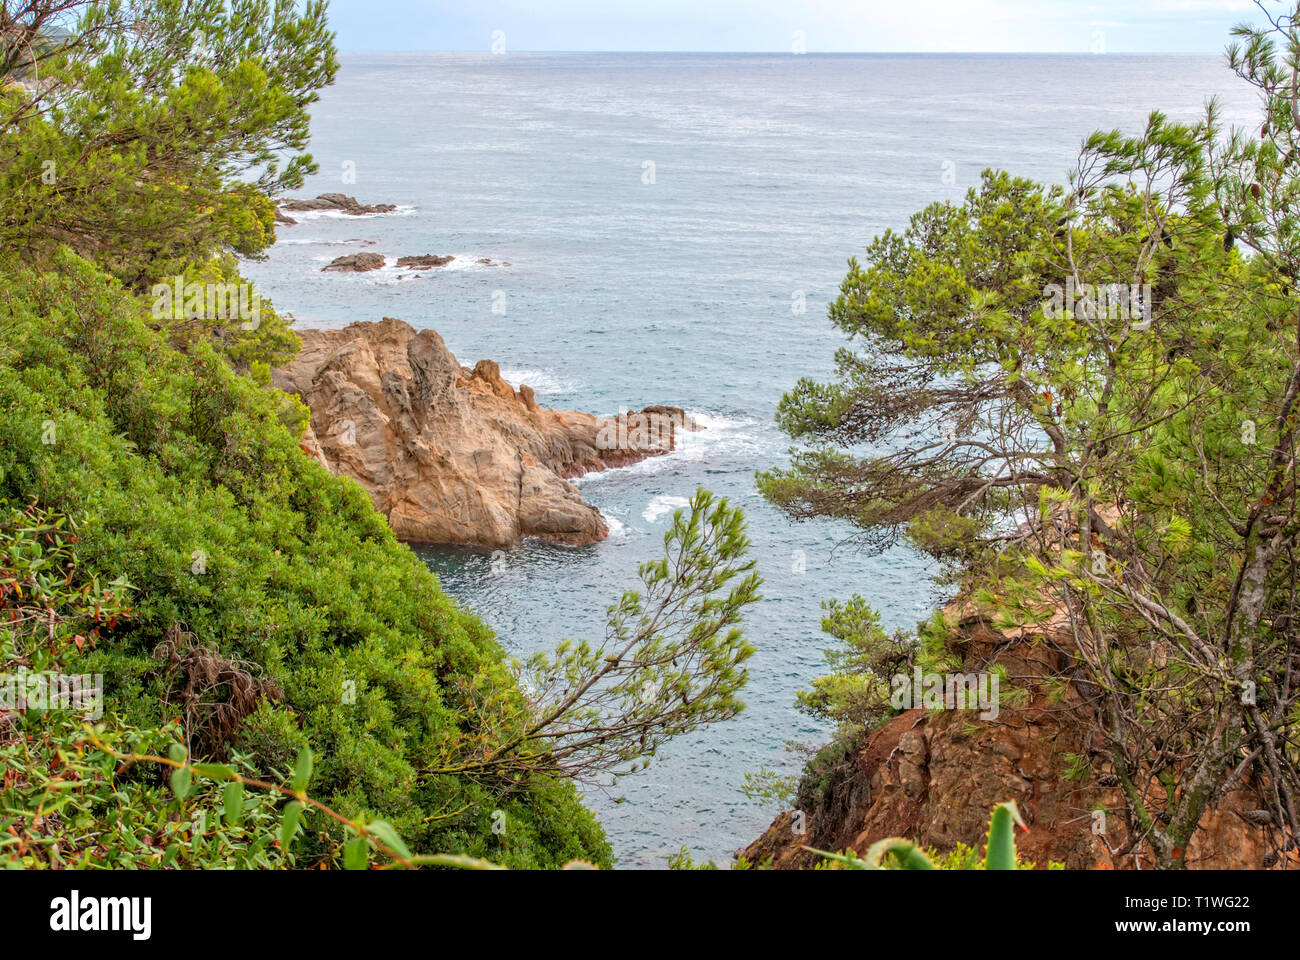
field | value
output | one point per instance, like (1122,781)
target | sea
(669,229)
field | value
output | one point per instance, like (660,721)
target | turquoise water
(768,173)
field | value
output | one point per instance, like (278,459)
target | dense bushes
(249,565)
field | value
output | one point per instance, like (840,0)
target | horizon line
(826,53)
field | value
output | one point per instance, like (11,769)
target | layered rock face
(933,777)
(454,455)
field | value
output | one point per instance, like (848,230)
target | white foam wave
(467,261)
(402,210)
(663,504)
(721,437)
(390,272)
(319,242)
(543,382)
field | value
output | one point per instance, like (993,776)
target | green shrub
(246,558)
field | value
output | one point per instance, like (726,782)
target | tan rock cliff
(453,455)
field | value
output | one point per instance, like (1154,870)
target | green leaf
(289,825)
(385,832)
(908,854)
(182,781)
(1001,851)
(301,771)
(850,862)
(177,752)
(463,862)
(233,799)
(356,854)
(217,771)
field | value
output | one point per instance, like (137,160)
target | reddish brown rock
(934,777)
(452,455)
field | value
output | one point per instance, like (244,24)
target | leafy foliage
(189,489)
(1083,400)
(672,659)
(255,620)
(152,134)
(856,693)
(257,607)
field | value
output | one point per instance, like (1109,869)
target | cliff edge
(932,776)
(457,455)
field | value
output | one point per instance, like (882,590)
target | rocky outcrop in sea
(328,202)
(451,454)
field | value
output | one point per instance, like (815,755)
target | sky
(785,26)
